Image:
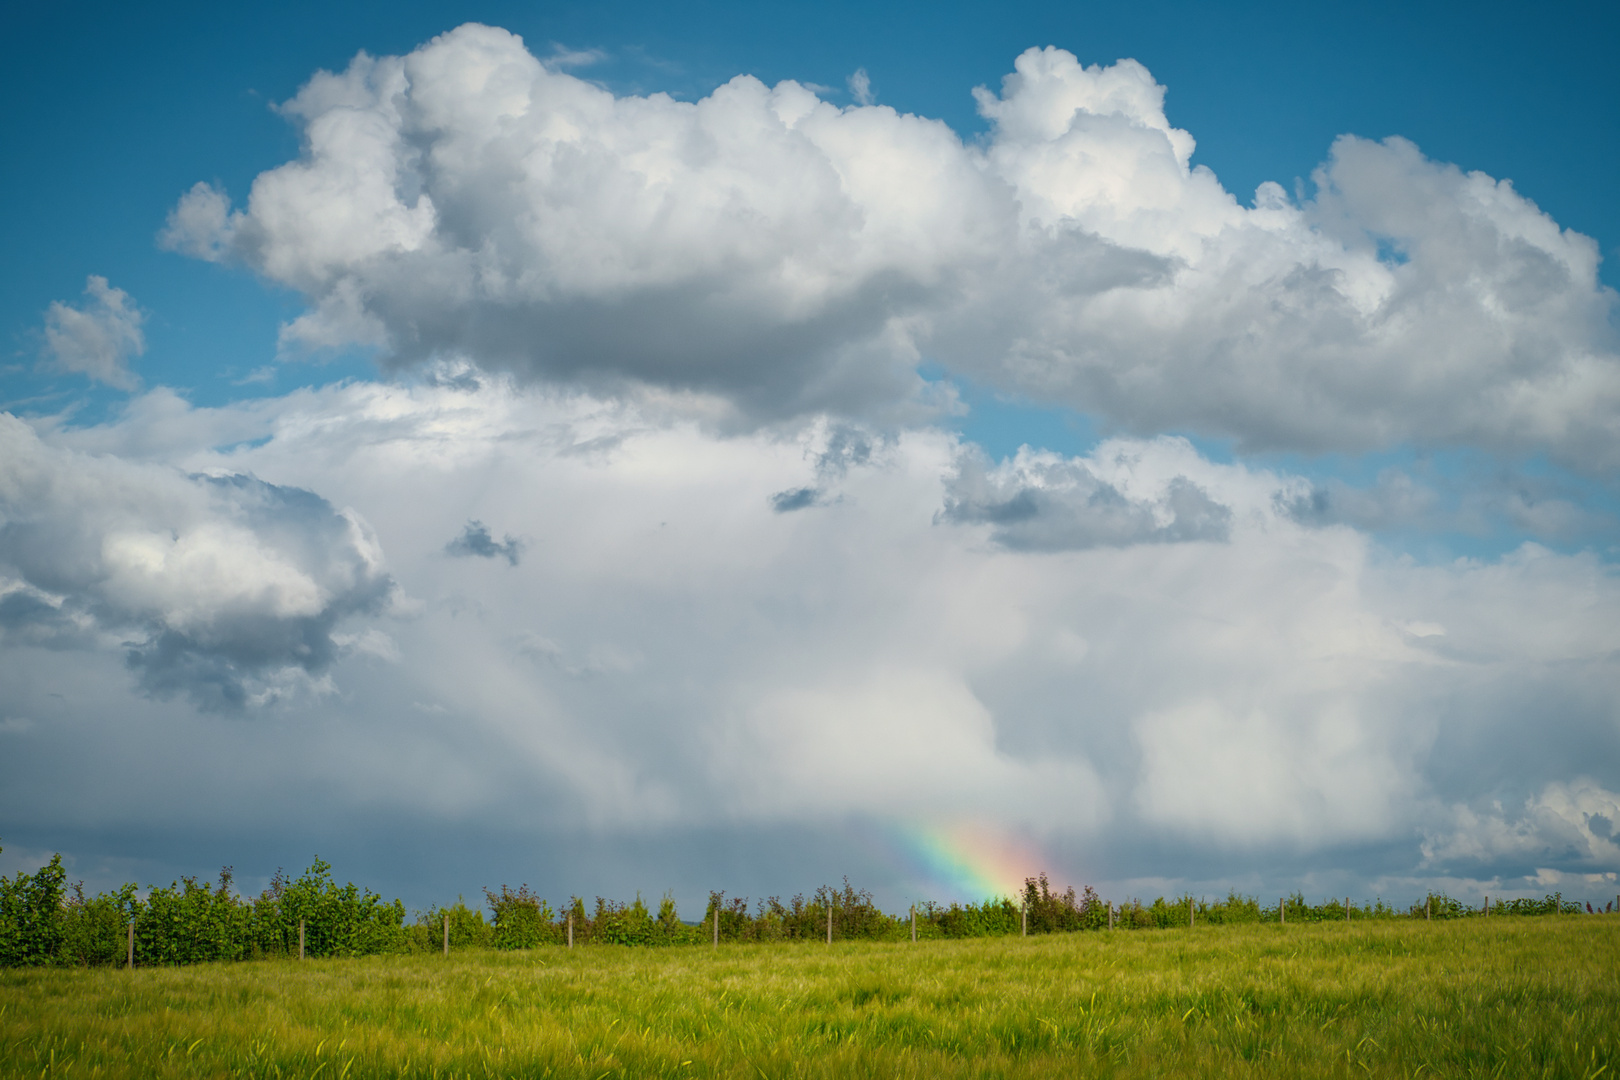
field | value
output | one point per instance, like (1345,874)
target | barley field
(1504,997)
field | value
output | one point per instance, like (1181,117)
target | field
(1509,997)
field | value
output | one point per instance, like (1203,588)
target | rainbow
(970,861)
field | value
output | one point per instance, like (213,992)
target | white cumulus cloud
(1566,827)
(789,256)
(211,585)
(98,336)
(1127,491)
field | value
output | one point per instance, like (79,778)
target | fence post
(1110,914)
(1190,913)
(1487,907)
(1347,909)
(1428,906)
(1023,921)
(1282,912)
(447,935)
(829,922)
(570,929)
(132,944)
(914,924)
(300,939)
(717,926)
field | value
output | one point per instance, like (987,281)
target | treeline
(43,921)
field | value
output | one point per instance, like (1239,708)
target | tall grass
(1509,997)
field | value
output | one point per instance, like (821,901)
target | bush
(94,928)
(31,923)
(855,916)
(992,918)
(188,923)
(337,920)
(1047,912)
(620,924)
(522,920)
(1234,909)
(467,928)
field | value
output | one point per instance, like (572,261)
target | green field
(1502,997)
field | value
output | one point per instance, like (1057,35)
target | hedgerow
(186,922)
(44,922)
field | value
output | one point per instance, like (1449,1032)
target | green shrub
(522,920)
(621,924)
(188,923)
(467,928)
(1047,912)
(94,928)
(337,920)
(992,918)
(31,923)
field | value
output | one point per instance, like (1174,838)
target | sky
(685,447)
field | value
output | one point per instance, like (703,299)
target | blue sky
(1310,433)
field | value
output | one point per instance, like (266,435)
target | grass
(1505,997)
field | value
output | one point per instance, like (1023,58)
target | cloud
(787,257)
(860,87)
(1483,503)
(837,447)
(96,338)
(476,542)
(784,502)
(200,225)
(1395,499)
(1566,828)
(658,242)
(562,57)
(1406,302)
(222,588)
(1125,684)
(1040,501)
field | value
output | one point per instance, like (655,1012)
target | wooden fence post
(914,924)
(1023,921)
(300,939)
(570,929)
(132,944)
(717,926)
(1190,913)
(1487,907)
(1110,914)
(829,922)
(447,934)
(1428,907)
(1282,912)
(1347,909)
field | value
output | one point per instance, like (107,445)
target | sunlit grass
(1504,997)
